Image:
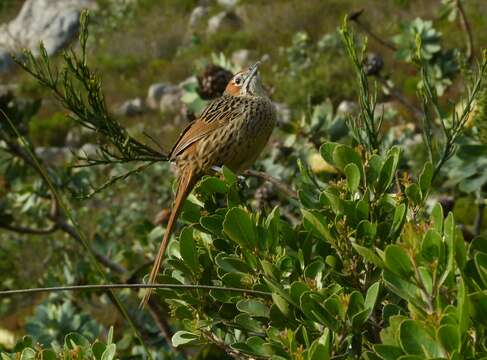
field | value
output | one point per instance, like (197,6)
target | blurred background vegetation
(160,61)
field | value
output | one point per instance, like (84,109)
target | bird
(231,131)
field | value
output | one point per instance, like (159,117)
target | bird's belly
(236,145)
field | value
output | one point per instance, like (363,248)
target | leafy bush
(359,261)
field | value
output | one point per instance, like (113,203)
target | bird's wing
(215,115)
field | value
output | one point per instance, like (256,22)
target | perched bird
(231,131)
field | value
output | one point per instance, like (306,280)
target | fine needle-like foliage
(79,90)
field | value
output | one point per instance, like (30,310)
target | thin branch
(466,29)
(479,218)
(408,105)
(285,188)
(355,17)
(32,231)
(133,286)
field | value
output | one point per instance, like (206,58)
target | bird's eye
(238,81)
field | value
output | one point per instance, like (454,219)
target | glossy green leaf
(431,246)
(398,261)
(352,173)
(183,338)
(369,255)
(248,323)
(425,179)
(253,308)
(413,193)
(417,339)
(188,250)
(326,151)
(437,217)
(240,228)
(109,353)
(388,171)
(449,337)
(344,155)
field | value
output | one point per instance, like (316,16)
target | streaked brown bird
(231,132)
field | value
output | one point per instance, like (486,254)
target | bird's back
(231,131)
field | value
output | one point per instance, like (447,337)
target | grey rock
(197,16)
(54,22)
(131,107)
(283,113)
(78,136)
(53,155)
(241,57)
(347,107)
(224,21)
(229,4)
(88,150)
(164,97)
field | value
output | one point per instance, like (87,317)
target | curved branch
(32,231)
(466,29)
(285,188)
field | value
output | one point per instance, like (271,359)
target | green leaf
(426,279)
(398,261)
(431,247)
(353,177)
(437,217)
(316,222)
(449,233)
(336,203)
(184,337)
(248,323)
(326,151)
(388,352)
(344,155)
(320,348)
(413,193)
(213,223)
(240,228)
(417,339)
(480,260)
(253,308)
(311,305)
(463,308)
(388,170)
(281,304)
(28,354)
(188,250)
(210,185)
(371,297)
(109,352)
(398,221)
(297,289)
(425,179)
(369,255)
(232,264)
(449,337)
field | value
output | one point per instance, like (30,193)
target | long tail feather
(185,186)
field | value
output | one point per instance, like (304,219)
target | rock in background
(54,22)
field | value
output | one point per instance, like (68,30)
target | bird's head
(246,83)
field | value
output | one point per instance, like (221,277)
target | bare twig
(479,219)
(466,29)
(285,188)
(408,105)
(355,17)
(31,231)
(134,286)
